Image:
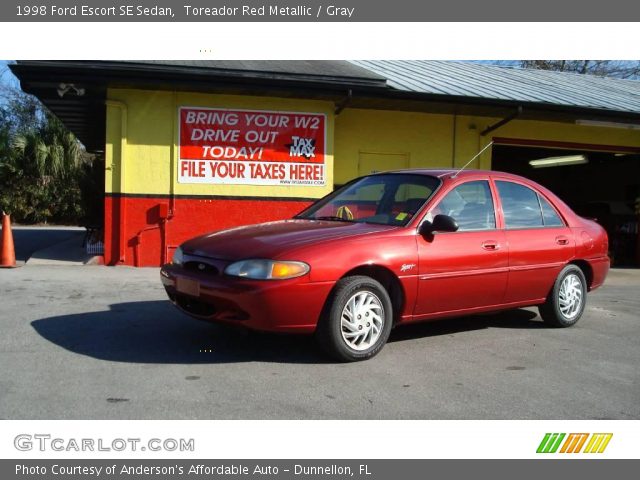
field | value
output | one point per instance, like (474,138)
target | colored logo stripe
(575,441)
(598,442)
(550,443)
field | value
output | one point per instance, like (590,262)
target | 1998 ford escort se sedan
(394,248)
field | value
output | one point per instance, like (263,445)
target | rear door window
(520,206)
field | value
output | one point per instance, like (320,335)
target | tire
(559,310)
(368,302)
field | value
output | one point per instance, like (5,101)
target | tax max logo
(595,443)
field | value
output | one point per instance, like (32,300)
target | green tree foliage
(43,167)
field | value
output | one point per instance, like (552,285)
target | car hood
(273,239)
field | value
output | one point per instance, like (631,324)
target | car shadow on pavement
(155,332)
(515,319)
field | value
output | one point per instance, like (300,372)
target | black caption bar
(314,469)
(319,11)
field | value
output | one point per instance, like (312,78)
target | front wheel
(357,319)
(566,301)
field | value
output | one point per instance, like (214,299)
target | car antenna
(476,156)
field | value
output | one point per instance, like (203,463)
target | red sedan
(395,248)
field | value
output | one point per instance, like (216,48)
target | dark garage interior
(601,185)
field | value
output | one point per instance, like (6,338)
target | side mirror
(441,223)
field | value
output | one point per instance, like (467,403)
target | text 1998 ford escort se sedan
(395,248)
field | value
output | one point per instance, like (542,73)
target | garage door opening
(604,185)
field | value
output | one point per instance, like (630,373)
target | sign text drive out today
(251,147)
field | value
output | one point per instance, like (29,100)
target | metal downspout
(502,122)
(121,204)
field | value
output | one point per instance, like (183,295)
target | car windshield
(385,199)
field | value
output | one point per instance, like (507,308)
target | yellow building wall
(446,141)
(142,128)
(564,132)
(425,138)
(430,140)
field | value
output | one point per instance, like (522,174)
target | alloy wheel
(362,320)
(570,296)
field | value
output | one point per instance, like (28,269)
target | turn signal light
(288,269)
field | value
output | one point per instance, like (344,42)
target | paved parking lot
(97,342)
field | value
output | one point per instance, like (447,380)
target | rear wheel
(566,301)
(357,319)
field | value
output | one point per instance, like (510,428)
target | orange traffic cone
(7,250)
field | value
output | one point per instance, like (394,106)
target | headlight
(178,256)
(267,269)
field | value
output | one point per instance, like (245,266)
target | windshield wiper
(332,218)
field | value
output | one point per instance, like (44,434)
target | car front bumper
(291,305)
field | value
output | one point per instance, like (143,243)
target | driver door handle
(562,240)
(491,245)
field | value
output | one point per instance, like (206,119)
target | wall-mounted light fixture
(65,88)
(559,161)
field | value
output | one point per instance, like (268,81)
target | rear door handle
(491,245)
(562,240)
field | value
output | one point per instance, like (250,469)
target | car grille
(201,267)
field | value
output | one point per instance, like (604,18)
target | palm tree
(42,164)
(49,151)
(6,154)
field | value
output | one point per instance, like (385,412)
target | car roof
(446,174)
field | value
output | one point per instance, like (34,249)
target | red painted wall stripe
(144,238)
